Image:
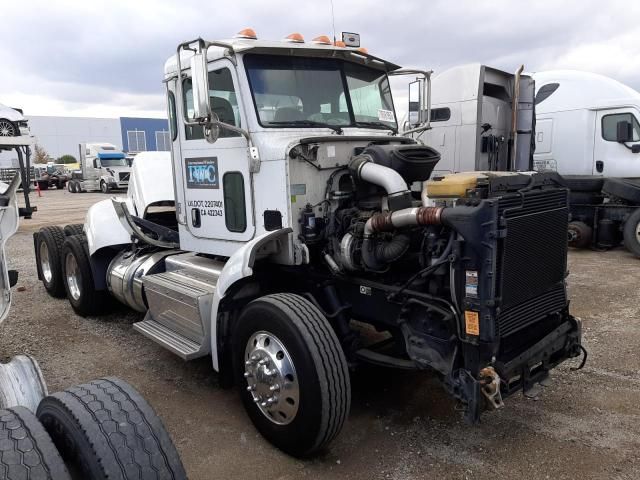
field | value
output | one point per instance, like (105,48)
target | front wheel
(292,373)
(104,187)
(631,233)
(8,128)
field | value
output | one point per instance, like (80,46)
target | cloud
(105,58)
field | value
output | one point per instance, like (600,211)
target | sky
(105,58)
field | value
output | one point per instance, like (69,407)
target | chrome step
(172,341)
(180,302)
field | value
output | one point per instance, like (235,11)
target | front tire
(104,187)
(8,128)
(631,233)
(106,430)
(78,278)
(292,373)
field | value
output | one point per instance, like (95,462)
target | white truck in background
(103,167)
(586,129)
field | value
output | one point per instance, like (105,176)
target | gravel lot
(402,425)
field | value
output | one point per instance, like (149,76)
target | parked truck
(50,175)
(102,168)
(79,432)
(585,128)
(285,213)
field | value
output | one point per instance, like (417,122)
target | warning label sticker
(472,322)
(471,283)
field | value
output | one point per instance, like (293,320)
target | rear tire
(106,430)
(292,373)
(631,233)
(74,229)
(71,186)
(26,450)
(78,278)
(49,254)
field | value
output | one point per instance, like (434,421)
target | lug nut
(274,387)
(251,388)
(248,374)
(264,361)
(255,358)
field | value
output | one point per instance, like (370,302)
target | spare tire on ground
(26,450)
(623,188)
(631,233)
(106,430)
(583,183)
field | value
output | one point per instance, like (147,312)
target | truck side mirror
(415,92)
(200,85)
(624,132)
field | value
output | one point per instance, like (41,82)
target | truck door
(613,159)
(215,193)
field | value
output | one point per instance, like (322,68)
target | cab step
(169,339)
(180,300)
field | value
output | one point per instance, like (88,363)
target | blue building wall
(148,125)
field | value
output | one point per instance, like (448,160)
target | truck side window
(173,125)
(545,92)
(234,206)
(224,103)
(610,125)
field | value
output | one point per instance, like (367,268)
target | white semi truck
(586,129)
(102,168)
(285,213)
(102,429)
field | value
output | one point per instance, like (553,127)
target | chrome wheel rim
(73,276)
(45,262)
(638,232)
(7,129)
(271,378)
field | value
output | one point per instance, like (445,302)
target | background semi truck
(102,167)
(586,128)
(285,213)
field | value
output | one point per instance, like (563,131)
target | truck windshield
(313,92)
(114,162)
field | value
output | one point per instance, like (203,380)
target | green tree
(67,159)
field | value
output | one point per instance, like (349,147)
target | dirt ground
(402,425)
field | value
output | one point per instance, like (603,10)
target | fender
(239,266)
(103,228)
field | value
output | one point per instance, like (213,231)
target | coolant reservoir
(455,185)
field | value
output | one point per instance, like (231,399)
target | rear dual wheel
(292,373)
(78,277)
(631,233)
(49,244)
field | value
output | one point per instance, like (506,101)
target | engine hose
(376,257)
(391,251)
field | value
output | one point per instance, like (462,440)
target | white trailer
(102,168)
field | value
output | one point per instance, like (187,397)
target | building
(62,135)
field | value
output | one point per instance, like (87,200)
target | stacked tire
(99,430)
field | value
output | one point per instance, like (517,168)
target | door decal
(202,172)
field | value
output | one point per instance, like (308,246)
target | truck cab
(578,117)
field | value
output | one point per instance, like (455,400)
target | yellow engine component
(454,185)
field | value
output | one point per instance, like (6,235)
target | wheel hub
(6,129)
(73,276)
(271,378)
(45,263)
